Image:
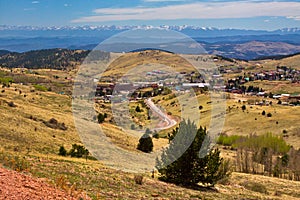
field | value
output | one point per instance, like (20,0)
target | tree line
(265,154)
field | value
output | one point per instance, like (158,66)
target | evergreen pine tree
(189,169)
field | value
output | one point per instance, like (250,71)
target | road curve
(162,115)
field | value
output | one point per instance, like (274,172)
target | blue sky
(267,15)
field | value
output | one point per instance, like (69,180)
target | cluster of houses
(281,73)
(184,81)
(288,99)
(107,91)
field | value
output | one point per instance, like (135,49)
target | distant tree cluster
(264,154)
(47,58)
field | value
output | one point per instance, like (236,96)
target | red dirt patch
(14,185)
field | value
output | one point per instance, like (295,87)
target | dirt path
(18,186)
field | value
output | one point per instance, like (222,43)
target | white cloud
(204,10)
(297,18)
(28,9)
(35,2)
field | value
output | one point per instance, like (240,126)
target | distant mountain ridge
(232,43)
(103,32)
(146,27)
(64,58)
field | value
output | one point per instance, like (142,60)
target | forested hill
(48,58)
(4,52)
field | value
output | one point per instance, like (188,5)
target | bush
(190,169)
(263,113)
(269,115)
(156,135)
(6,80)
(78,151)
(138,109)
(243,107)
(284,131)
(138,179)
(62,151)
(40,87)
(132,127)
(145,143)
(101,117)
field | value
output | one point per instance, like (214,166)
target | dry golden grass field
(29,142)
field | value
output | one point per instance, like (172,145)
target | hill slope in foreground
(34,124)
(28,144)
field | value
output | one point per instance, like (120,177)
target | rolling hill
(35,123)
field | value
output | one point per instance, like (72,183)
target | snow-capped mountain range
(225,42)
(182,28)
(113,27)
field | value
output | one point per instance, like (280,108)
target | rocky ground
(14,185)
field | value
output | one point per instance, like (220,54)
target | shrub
(6,80)
(269,115)
(243,107)
(40,87)
(145,143)
(263,112)
(270,95)
(62,151)
(156,135)
(200,107)
(279,102)
(138,179)
(78,151)
(101,117)
(138,109)
(132,127)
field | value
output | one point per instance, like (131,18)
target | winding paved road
(162,115)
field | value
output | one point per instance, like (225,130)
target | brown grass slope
(39,148)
